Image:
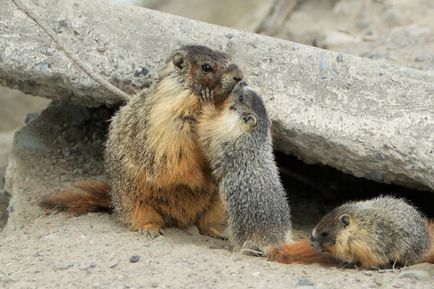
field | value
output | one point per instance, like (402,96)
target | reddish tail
(94,197)
(429,258)
(300,252)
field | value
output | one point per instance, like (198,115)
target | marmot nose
(312,239)
(314,243)
(238,78)
(236,72)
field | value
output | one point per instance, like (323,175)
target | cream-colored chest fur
(171,131)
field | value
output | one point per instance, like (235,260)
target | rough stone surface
(61,146)
(14,106)
(5,148)
(366,118)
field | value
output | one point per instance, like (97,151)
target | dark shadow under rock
(313,190)
(4,201)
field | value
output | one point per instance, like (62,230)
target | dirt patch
(94,251)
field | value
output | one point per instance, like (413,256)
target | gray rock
(134,259)
(45,154)
(369,119)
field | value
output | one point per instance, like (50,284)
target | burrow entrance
(313,190)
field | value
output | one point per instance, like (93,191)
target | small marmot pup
(235,138)
(377,233)
(157,173)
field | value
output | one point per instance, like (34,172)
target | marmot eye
(324,234)
(240,98)
(206,67)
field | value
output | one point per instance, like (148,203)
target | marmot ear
(345,219)
(250,119)
(179,60)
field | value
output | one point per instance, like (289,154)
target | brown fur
(360,250)
(429,257)
(181,192)
(94,197)
(382,232)
(158,173)
(300,252)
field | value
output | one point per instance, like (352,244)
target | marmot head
(250,110)
(200,67)
(329,228)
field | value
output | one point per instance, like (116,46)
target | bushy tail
(94,197)
(429,257)
(300,252)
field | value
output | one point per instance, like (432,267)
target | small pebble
(92,265)
(304,282)
(101,49)
(378,281)
(134,259)
(65,266)
(229,36)
(142,71)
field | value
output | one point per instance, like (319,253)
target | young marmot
(157,174)
(376,233)
(236,139)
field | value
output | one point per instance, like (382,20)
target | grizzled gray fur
(248,177)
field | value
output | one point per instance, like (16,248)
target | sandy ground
(94,251)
